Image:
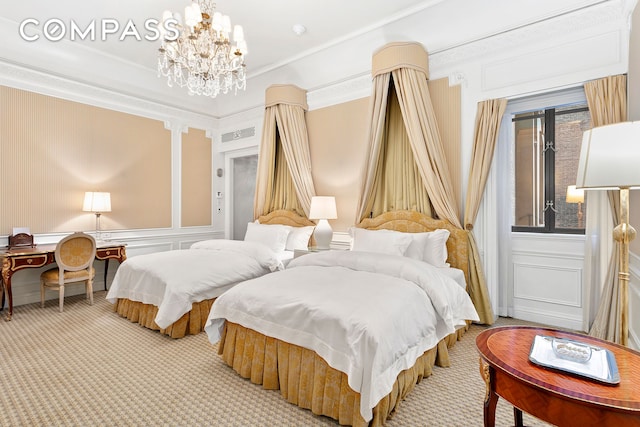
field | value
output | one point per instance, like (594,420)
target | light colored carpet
(90,367)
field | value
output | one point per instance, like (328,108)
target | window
(546,151)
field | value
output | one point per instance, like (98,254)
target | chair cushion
(51,275)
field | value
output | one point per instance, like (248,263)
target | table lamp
(323,208)
(97,202)
(610,160)
(575,195)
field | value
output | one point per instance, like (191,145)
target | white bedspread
(174,280)
(368,315)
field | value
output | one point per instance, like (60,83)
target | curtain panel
(487,126)
(607,100)
(283,178)
(405,66)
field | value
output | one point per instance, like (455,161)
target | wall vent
(239,134)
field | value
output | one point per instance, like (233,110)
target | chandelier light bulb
(238,34)
(166,15)
(191,17)
(216,22)
(196,10)
(226,24)
(242,47)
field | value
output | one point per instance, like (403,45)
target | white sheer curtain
(283,179)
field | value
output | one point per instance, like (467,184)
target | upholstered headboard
(285,217)
(415,222)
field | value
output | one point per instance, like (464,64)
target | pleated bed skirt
(190,323)
(306,380)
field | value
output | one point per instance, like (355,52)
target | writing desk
(559,398)
(16,259)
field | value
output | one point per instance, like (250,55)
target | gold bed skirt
(306,380)
(191,323)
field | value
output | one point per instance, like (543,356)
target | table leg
(490,398)
(6,284)
(7,292)
(517,417)
(3,294)
(106,269)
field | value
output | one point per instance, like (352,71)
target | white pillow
(272,236)
(299,237)
(381,241)
(430,247)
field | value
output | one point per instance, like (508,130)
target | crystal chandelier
(201,55)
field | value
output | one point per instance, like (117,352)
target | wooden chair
(74,255)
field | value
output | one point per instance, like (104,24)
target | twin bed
(172,292)
(348,334)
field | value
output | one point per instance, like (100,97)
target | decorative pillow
(430,247)
(299,237)
(272,236)
(381,241)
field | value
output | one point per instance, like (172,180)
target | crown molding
(23,78)
(581,23)
(340,92)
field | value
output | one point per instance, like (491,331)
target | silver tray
(601,366)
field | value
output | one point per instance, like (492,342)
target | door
(243,187)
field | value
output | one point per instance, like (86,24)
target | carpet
(88,366)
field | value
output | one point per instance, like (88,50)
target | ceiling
(129,66)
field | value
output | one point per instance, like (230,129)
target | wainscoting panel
(547,283)
(547,279)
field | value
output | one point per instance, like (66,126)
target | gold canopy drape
(283,178)
(405,66)
(607,100)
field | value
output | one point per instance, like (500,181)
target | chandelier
(197,52)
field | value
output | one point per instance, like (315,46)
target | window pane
(529,170)
(570,126)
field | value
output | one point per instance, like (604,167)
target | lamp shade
(610,157)
(323,207)
(575,195)
(96,202)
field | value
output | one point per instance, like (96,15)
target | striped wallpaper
(196,179)
(53,150)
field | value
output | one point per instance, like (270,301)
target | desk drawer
(109,253)
(29,261)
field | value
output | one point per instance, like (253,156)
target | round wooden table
(553,396)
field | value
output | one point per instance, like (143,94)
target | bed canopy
(283,179)
(406,165)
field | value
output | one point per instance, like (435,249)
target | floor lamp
(610,160)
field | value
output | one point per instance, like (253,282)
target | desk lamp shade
(322,209)
(97,202)
(610,160)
